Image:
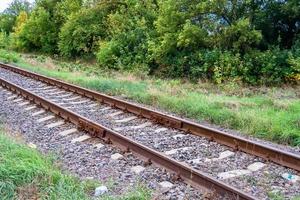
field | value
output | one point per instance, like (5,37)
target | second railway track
(208,158)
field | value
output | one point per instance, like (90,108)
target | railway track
(209,159)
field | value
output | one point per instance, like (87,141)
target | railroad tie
(174,151)
(38,112)
(223,155)
(68,132)
(105,108)
(18,100)
(92,105)
(52,90)
(30,108)
(81,138)
(239,172)
(24,103)
(79,102)
(115,113)
(160,130)
(142,125)
(45,118)
(56,93)
(55,124)
(11,97)
(128,119)
(64,95)
(73,98)
(42,88)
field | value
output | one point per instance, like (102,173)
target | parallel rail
(190,175)
(281,157)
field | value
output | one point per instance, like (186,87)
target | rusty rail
(194,177)
(265,151)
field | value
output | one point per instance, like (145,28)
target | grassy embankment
(270,113)
(26,174)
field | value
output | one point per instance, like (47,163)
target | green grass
(268,113)
(25,171)
(22,167)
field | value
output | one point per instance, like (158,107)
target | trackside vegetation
(248,42)
(26,174)
(270,113)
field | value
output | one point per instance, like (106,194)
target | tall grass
(24,171)
(21,167)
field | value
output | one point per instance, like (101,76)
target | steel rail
(269,153)
(188,174)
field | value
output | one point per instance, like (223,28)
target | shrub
(4,40)
(8,57)
(81,34)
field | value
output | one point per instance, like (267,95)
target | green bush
(81,33)
(4,40)
(8,57)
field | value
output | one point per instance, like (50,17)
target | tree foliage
(250,41)
(10,14)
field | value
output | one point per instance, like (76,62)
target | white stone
(291,177)
(55,124)
(38,113)
(46,118)
(115,114)
(173,151)
(68,132)
(160,130)
(31,145)
(116,156)
(196,161)
(234,173)
(126,119)
(178,136)
(81,138)
(256,166)
(166,184)
(100,191)
(142,125)
(30,108)
(224,154)
(137,169)
(99,146)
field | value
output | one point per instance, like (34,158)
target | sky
(4,4)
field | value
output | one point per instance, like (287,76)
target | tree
(10,14)
(83,30)
(17,40)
